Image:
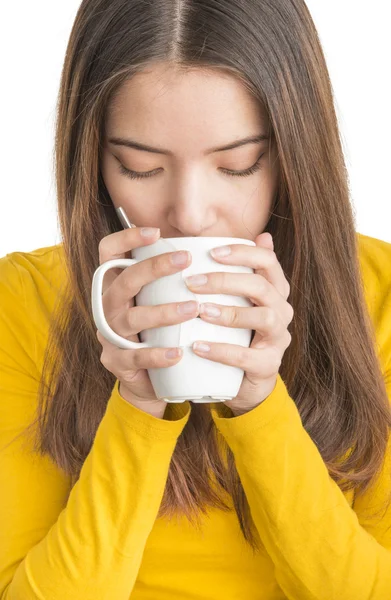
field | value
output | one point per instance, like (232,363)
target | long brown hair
(331,368)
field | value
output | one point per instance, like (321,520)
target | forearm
(95,547)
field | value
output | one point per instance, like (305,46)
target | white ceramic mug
(192,378)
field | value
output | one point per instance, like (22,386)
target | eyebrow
(254,139)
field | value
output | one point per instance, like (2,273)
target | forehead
(162,99)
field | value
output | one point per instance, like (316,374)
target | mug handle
(97,305)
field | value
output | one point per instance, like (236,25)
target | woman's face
(189,191)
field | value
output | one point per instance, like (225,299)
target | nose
(191,215)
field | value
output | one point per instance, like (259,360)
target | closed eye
(137,175)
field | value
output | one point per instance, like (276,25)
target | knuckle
(218,280)
(161,315)
(270,318)
(128,280)
(156,266)
(157,357)
(233,317)
(166,312)
(139,358)
(146,358)
(272,258)
(261,284)
(291,313)
(242,357)
(288,337)
(132,318)
(275,358)
(102,249)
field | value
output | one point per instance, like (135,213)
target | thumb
(265,240)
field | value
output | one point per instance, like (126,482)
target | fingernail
(196,280)
(210,309)
(180,258)
(201,347)
(221,251)
(149,231)
(187,307)
(173,352)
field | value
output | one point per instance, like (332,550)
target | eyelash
(135,175)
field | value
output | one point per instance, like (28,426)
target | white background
(356,42)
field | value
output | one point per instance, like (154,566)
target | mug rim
(207,237)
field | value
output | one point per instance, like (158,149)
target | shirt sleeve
(320,546)
(86,541)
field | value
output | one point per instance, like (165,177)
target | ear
(265,240)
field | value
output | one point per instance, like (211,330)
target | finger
(133,278)
(263,319)
(138,318)
(120,244)
(263,260)
(260,362)
(120,361)
(255,287)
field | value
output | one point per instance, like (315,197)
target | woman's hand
(268,289)
(119,289)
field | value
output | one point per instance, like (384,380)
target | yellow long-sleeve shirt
(102,539)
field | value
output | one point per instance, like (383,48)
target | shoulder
(375,259)
(40,272)
(375,264)
(30,283)
(42,263)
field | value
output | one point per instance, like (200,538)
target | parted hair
(331,368)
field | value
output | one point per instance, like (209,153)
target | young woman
(211,118)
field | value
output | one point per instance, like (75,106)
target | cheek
(254,212)
(257,209)
(127,194)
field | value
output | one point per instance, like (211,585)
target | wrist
(155,408)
